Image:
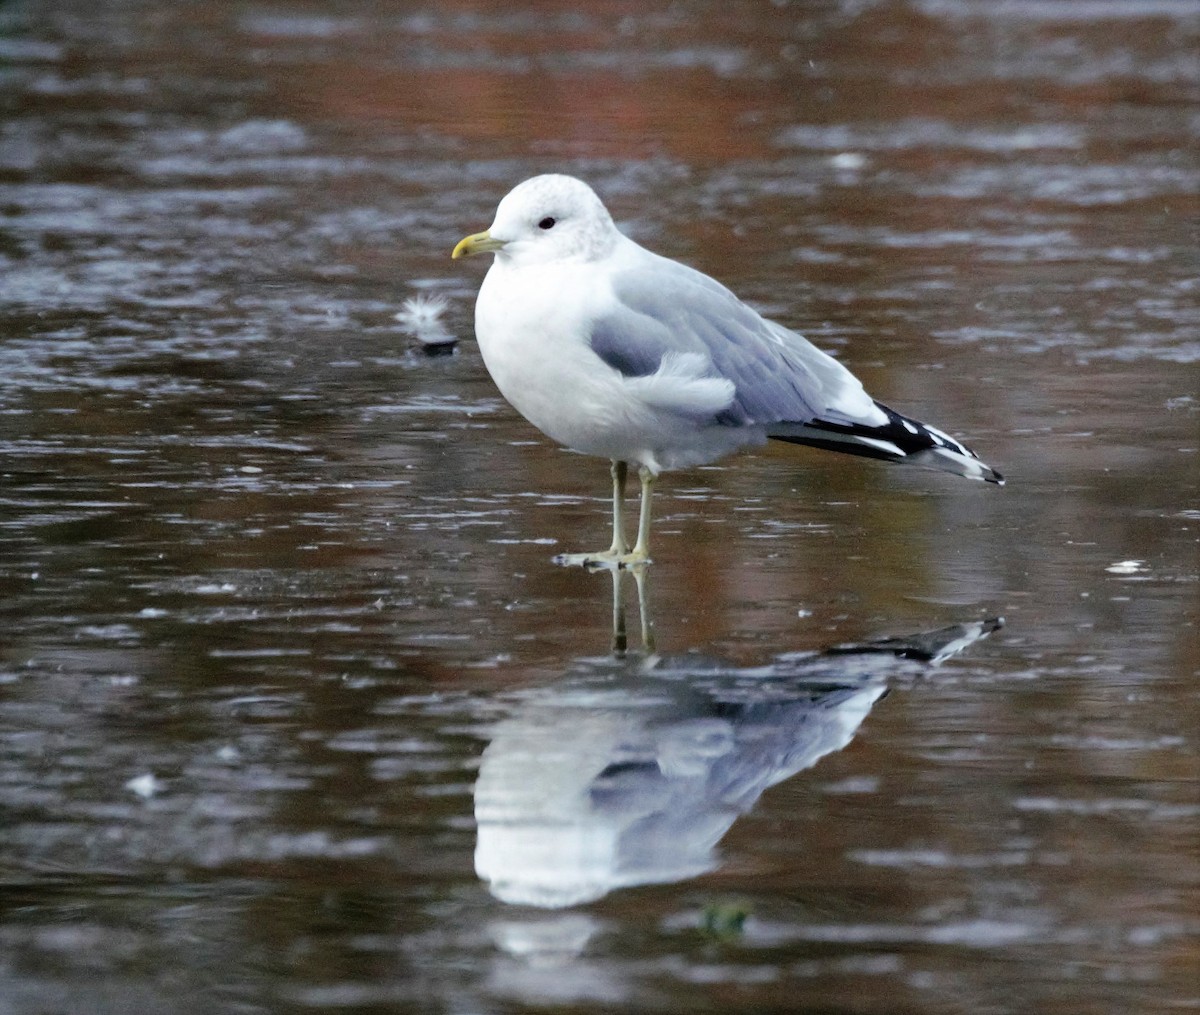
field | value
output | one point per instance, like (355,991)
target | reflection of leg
(618,552)
(620,633)
(642,580)
(620,639)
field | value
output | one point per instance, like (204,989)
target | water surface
(276,587)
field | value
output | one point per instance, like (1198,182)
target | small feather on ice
(145,786)
(421,317)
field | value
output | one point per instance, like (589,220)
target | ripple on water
(921,133)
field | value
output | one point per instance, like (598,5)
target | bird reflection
(630,770)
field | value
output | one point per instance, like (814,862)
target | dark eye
(546,223)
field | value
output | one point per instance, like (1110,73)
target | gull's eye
(546,223)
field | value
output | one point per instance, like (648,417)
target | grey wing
(781,382)
(778,376)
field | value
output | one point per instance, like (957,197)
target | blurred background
(276,584)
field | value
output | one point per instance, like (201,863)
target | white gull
(615,351)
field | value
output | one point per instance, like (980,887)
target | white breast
(533,331)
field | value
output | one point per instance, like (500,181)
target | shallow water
(285,657)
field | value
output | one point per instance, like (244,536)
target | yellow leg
(619,550)
(620,470)
(641,549)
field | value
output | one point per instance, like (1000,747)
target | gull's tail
(900,439)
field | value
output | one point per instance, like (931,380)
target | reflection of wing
(626,777)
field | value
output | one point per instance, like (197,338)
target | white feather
(682,384)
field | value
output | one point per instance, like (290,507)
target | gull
(618,352)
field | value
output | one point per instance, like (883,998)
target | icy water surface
(296,714)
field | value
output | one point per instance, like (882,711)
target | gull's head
(545,219)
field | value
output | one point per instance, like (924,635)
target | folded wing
(670,324)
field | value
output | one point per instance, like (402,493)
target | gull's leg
(619,549)
(640,553)
(620,470)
